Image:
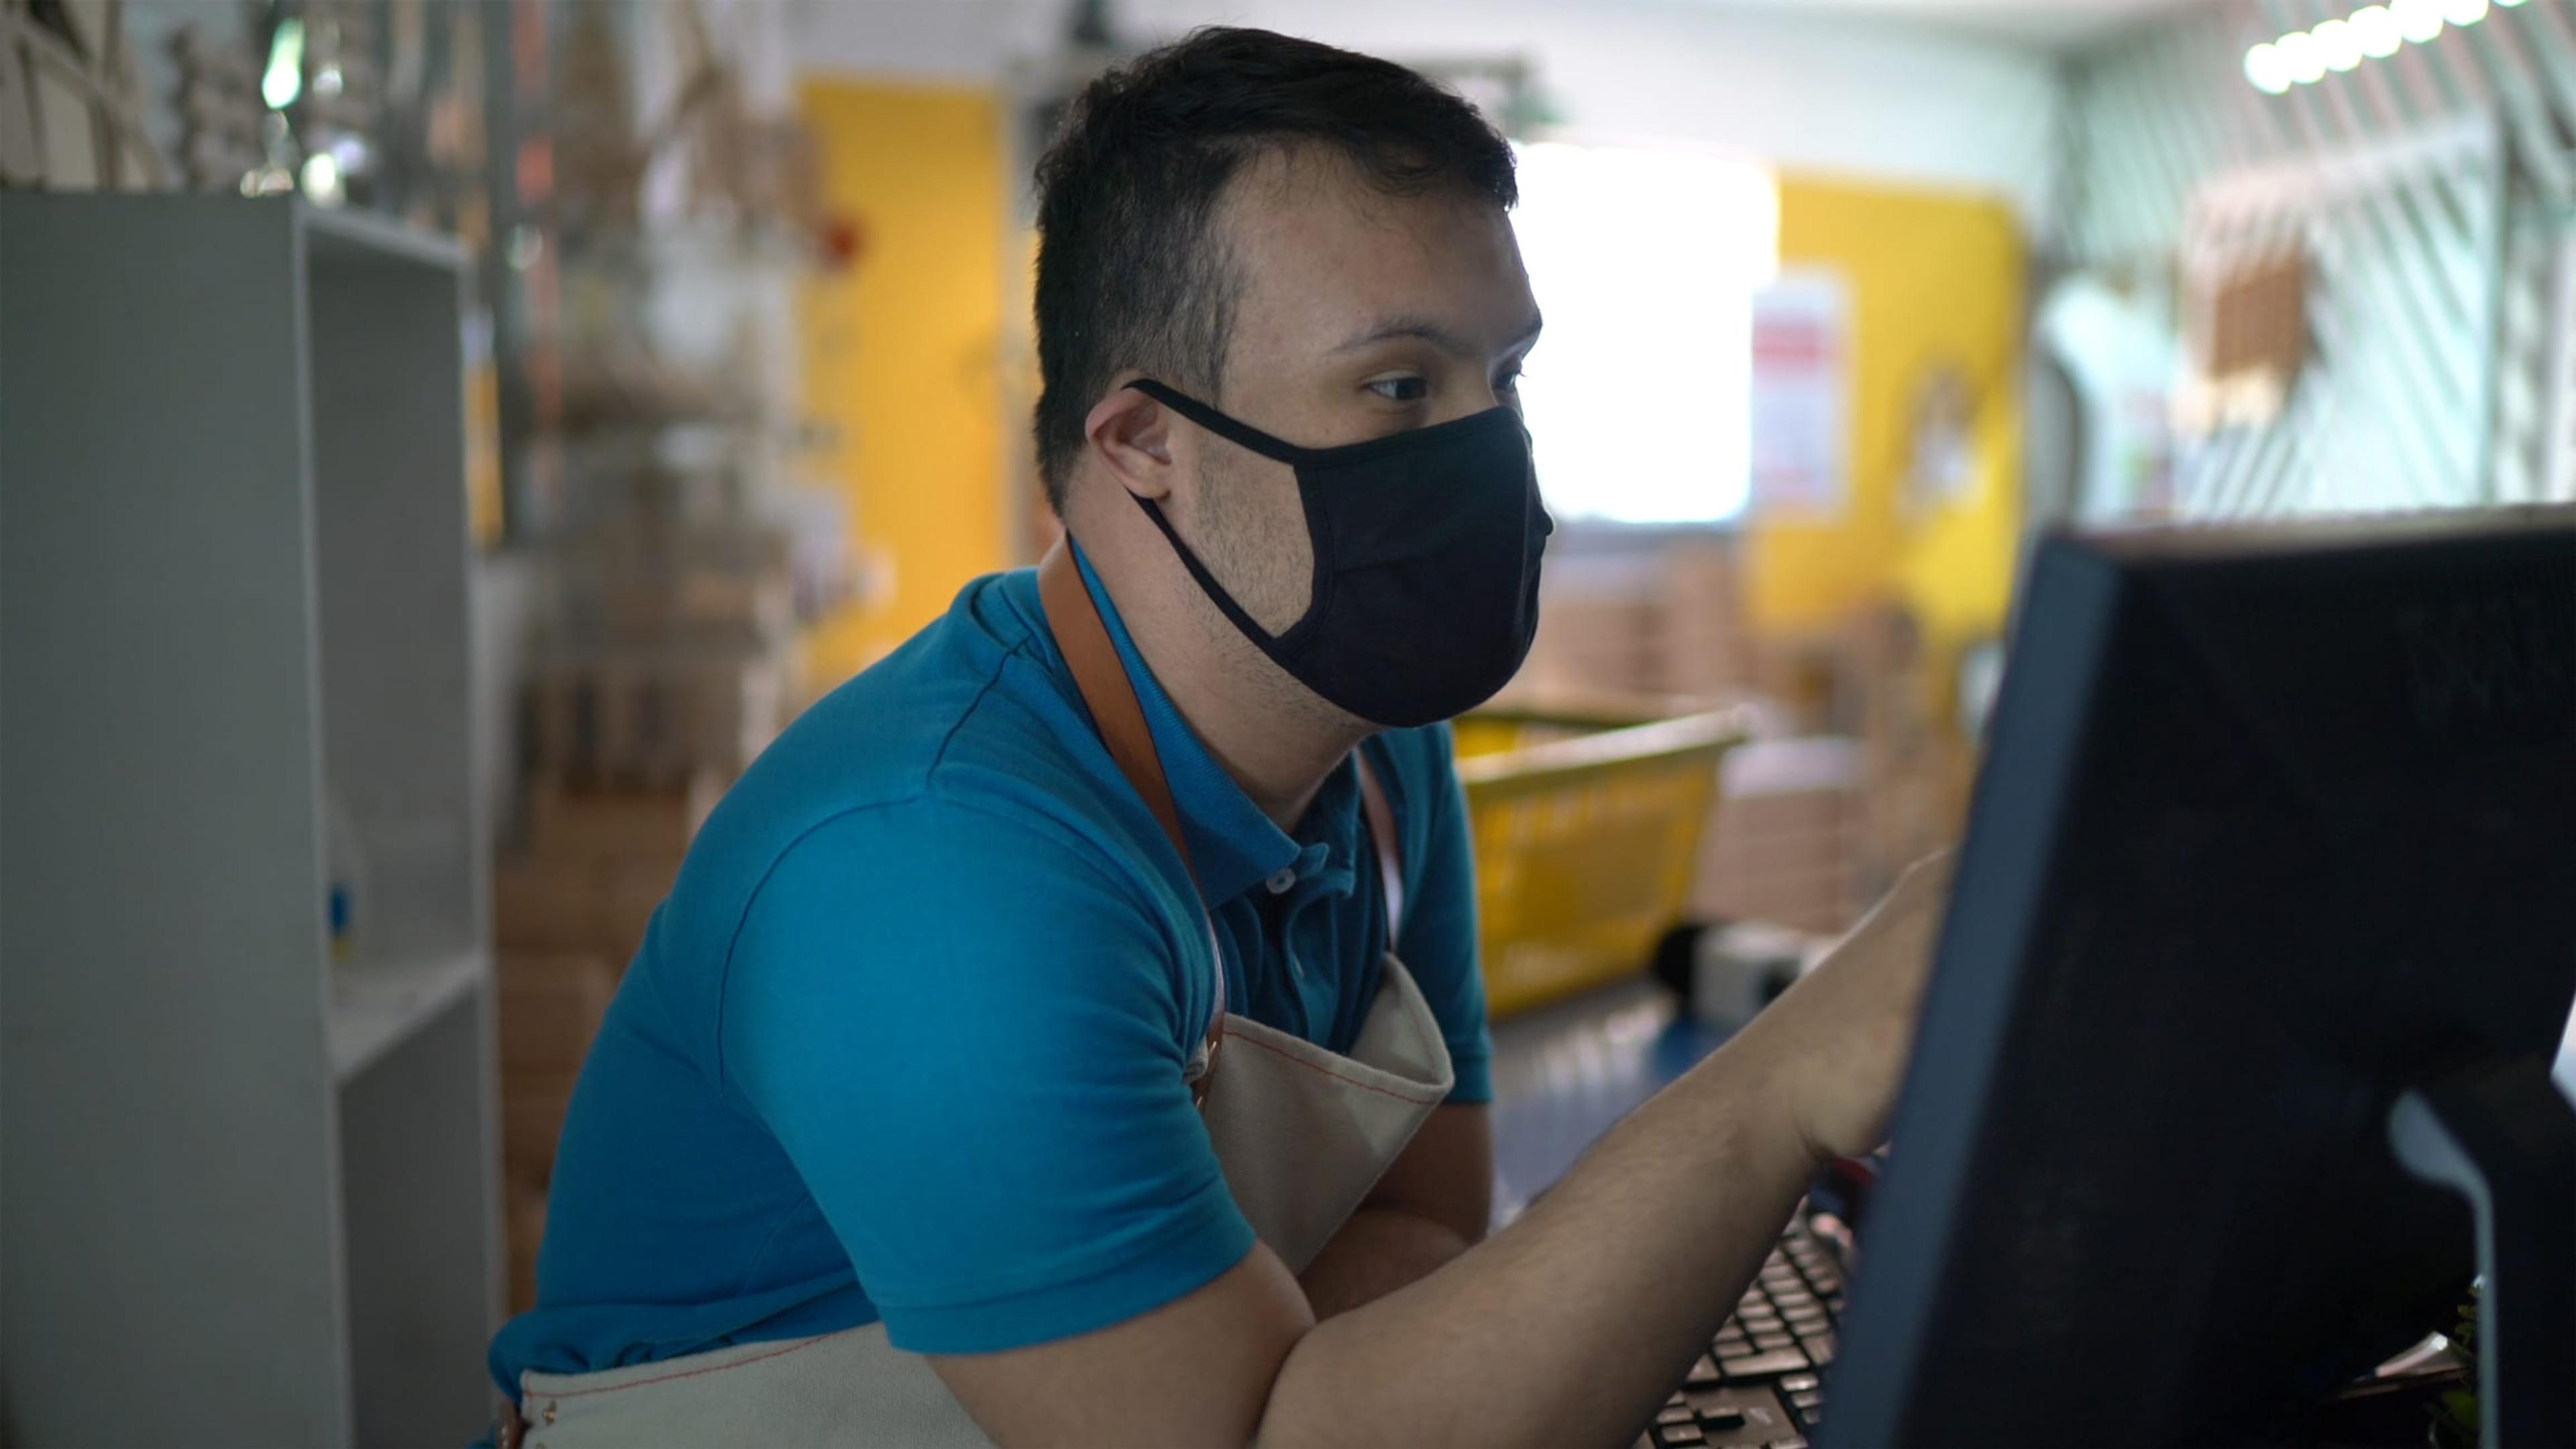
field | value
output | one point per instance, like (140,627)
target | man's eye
(1509,382)
(1401,389)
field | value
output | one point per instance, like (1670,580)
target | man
(1073,1022)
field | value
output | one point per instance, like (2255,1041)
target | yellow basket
(1587,831)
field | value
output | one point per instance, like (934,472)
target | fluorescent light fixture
(2375,31)
(284,79)
(2264,67)
(2417,20)
(2299,52)
(2336,44)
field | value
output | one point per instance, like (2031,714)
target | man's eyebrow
(1432,332)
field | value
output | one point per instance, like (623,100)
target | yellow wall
(902,350)
(1935,279)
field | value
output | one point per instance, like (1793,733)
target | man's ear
(1132,435)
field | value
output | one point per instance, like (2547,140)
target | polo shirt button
(1280,883)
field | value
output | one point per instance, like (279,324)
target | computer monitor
(2275,825)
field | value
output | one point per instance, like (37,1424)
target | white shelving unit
(247,1195)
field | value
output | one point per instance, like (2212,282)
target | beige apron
(1302,1133)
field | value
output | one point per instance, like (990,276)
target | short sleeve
(1438,944)
(962,1028)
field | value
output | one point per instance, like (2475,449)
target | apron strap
(1388,844)
(1120,720)
(1106,690)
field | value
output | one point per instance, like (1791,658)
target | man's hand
(1836,1044)
(1568,1327)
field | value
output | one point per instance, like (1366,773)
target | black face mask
(1426,546)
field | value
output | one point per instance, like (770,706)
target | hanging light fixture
(2373,32)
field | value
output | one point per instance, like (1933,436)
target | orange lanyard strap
(1101,677)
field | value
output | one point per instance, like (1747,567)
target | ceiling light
(2300,55)
(2336,45)
(2265,68)
(284,78)
(2375,31)
(2417,20)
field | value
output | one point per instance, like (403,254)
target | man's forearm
(1571,1325)
(1379,1250)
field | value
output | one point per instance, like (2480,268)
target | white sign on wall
(1801,396)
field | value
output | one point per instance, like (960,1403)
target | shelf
(339,234)
(375,1006)
(316,1212)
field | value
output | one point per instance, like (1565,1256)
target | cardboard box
(630,891)
(550,1009)
(1708,645)
(570,904)
(656,822)
(625,721)
(546,904)
(1784,844)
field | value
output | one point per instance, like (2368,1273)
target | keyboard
(1762,1380)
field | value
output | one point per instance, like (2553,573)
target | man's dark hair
(1129,275)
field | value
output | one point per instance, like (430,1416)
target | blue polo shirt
(906,1041)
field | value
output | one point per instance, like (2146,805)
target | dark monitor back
(2272,825)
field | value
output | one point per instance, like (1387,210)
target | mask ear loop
(1233,430)
(1253,439)
(1208,585)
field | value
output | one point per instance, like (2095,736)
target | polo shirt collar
(1233,845)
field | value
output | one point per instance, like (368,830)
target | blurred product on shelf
(569,911)
(680,547)
(219,111)
(737,165)
(1785,847)
(560,903)
(345,901)
(657,560)
(1708,647)
(551,1007)
(645,718)
(598,159)
(596,864)
(634,388)
(338,108)
(1660,621)
(71,111)
(1916,766)
(626,824)
(2245,321)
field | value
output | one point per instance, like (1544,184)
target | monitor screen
(2273,824)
